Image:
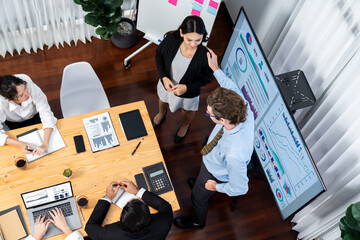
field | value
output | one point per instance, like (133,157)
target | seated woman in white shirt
(22,103)
(58,219)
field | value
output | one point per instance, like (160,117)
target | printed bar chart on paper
(100,132)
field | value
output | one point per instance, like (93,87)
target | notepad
(11,226)
(122,198)
(35,137)
(132,124)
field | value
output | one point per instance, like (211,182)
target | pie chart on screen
(257,143)
(248,38)
(262,155)
(279,195)
(241,61)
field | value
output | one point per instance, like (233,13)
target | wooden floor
(257,216)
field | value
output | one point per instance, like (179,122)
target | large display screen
(285,159)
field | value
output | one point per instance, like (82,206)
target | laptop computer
(41,201)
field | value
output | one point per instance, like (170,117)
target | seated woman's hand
(24,147)
(40,149)
(41,226)
(58,219)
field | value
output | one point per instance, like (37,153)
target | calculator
(157,178)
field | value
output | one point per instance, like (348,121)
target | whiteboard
(157,17)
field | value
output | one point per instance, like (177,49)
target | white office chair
(81,90)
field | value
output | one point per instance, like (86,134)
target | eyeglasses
(208,115)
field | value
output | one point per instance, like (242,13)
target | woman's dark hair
(135,216)
(189,25)
(8,85)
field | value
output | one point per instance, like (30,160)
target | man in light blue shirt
(229,148)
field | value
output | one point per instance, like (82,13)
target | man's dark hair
(8,85)
(135,216)
(227,104)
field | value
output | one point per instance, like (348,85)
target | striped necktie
(208,147)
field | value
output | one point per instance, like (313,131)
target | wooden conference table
(92,172)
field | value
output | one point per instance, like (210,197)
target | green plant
(350,224)
(67,172)
(106,14)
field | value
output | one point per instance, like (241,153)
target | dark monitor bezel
(72,191)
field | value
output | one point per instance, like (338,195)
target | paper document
(122,198)
(100,132)
(35,137)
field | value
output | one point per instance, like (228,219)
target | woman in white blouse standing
(22,103)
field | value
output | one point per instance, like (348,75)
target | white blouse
(73,236)
(37,103)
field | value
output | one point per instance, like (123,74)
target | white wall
(268,17)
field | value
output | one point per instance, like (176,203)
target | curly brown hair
(227,104)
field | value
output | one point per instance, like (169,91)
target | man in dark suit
(136,222)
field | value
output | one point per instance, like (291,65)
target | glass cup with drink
(82,201)
(20,162)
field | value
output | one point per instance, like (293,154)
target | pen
(82,216)
(30,150)
(136,148)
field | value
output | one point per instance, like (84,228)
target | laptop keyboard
(65,207)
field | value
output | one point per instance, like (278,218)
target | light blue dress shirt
(228,160)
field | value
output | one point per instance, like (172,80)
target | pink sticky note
(200,1)
(195,12)
(213,4)
(173,2)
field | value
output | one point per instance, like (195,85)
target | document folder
(132,124)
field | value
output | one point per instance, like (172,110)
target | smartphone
(140,181)
(79,143)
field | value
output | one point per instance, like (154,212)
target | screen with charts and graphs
(284,157)
(47,195)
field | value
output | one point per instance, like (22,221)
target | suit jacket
(159,227)
(197,74)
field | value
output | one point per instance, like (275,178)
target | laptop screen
(47,195)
